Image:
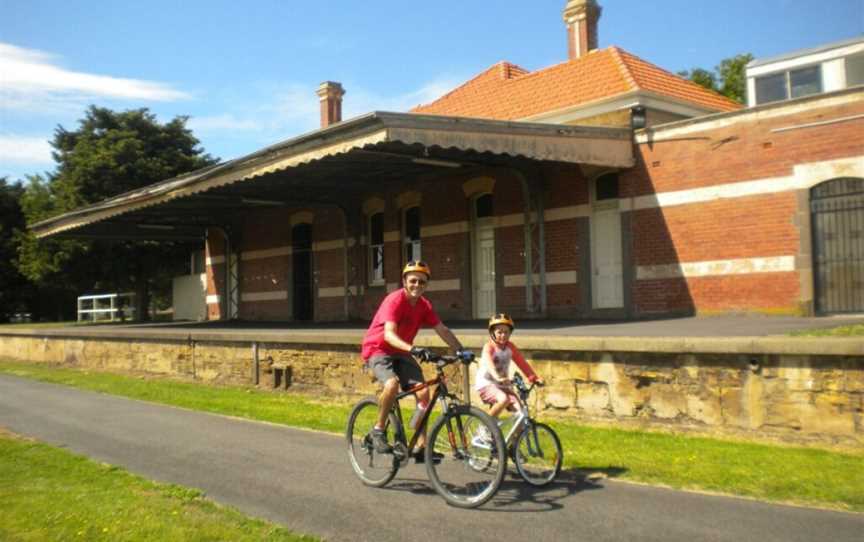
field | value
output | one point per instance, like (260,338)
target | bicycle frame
(440,394)
(523,419)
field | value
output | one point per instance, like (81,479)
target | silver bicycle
(533,446)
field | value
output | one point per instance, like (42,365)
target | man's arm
(393,339)
(448,337)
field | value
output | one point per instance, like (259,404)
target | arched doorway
(607,273)
(837,219)
(301,256)
(483,256)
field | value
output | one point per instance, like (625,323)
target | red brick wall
(708,154)
(214,247)
(733,228)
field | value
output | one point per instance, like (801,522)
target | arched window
(376,248)
(606,187)
(483,206)
(411,226)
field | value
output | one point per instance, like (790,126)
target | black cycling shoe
(379,440)
(420,457)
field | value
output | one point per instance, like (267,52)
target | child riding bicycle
(493,382)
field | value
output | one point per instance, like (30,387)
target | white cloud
(32,80)
(23,150)
(362,101)
(291,110)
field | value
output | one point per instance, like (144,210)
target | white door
(484,268)
(607,273)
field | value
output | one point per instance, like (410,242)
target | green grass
(855,330)
(51,494)
(763,471)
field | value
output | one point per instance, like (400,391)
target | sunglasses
(417,263)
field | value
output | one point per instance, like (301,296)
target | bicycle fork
(533,442)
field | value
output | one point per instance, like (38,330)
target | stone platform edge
(833,346)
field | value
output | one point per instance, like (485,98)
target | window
(789,84)
(607,187)
(412,234)
(196,262)
(805,82)
(855,70)
(771,88)
(376,248)
(483,206)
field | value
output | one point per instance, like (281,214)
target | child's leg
(499,407)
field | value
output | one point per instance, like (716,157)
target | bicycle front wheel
(473,465)
(373,468)
(538,454)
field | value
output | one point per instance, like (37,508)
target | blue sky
(246,72)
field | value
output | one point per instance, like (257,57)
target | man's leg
(386,400)
(422,399)
(382,367)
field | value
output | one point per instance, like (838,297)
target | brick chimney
(330,94)
(581,18)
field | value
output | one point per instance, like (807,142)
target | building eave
(413,133)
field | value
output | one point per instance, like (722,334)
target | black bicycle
(468,471)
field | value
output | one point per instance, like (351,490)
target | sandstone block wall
(792,396)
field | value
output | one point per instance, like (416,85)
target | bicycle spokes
(538,454)
(469,473)
(373,468)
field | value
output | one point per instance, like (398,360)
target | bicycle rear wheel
(538,454)
(373,468)
(472,468)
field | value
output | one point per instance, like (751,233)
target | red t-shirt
(409,319)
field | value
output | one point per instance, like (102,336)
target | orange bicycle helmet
(500,319)
(416,266)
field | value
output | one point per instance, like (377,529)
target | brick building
(603,186)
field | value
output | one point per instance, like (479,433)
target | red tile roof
(506,91)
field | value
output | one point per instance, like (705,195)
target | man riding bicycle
(388,347)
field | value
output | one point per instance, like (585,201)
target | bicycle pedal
(400,452)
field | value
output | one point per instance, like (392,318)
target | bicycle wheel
(373,468)
(472,469)
(537,454)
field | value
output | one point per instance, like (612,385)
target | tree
(110,153)
(728,79)
(701,77)
(13,285)
(733,75)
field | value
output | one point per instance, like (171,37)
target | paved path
(302,479)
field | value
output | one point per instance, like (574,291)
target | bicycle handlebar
(519,382)
(465,356)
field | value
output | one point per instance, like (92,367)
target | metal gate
(837,213)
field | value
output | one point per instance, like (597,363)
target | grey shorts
(403,367)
